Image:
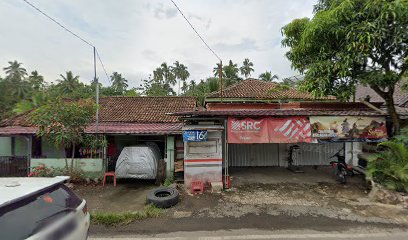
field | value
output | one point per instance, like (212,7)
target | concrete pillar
(170,155)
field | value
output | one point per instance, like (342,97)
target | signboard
(195,136)
(247,130)
(289,130)
(348,128)
(269,130)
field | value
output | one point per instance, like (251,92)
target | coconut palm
(119,83)
(267,76)
(167,74)
(217,70)
(69,82)
(247,68)
(181,73)
(231,72)
(36,80)
(15,72)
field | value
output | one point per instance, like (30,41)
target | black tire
(163,197)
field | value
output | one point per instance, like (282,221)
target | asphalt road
(254,234)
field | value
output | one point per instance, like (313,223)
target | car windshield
(26,217)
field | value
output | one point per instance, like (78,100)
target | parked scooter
(341,167)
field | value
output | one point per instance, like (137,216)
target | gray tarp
(138,162)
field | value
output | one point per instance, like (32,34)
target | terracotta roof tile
(400,96)
(144,109)
(259,89)
(130,110)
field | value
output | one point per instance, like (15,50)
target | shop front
(254,141)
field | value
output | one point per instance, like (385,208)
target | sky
(134,37)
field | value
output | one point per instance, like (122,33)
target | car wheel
(163,197)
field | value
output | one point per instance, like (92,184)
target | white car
(41,208)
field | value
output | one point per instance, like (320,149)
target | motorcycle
(342,169)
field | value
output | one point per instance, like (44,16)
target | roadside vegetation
(105,218)
(389,168)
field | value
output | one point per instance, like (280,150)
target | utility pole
(97,93)
(221,79)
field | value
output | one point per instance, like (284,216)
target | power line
(71,32)
(191,25)
(103,66)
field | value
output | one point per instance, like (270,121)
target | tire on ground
(163,197)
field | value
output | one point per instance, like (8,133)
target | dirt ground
(127,196)
(303,203)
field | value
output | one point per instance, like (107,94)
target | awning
(108,128)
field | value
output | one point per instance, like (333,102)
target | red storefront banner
(269,130)
(247,130)
(289,130)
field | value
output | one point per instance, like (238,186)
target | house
(400,99)
(124,121)
(262,124)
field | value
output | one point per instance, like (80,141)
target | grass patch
(168,182)
(149,211)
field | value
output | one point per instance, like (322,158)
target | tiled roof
(123,115)
(144,109)
(259,89)
(130,110)
(283,112)
(400,96)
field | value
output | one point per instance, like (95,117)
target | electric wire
(191,25)
(71,32)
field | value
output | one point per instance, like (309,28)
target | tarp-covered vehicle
(138,162)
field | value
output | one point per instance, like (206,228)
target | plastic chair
(109,174)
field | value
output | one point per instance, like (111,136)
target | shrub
(76,175)
(390,167)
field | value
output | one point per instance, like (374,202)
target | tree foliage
(390,167)
(349,42)
(63,123)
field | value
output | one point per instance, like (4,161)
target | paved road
(253,234)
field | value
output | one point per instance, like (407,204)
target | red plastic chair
(109,174)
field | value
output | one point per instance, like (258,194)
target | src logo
(245,125)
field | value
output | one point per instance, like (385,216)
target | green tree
(36,81)
(64,123)
(119,83)
(231,72)
(350,42)
(267,76)
(15,71)
(247,68)
(180,73)
(68,83)
(15,78)
(217,70)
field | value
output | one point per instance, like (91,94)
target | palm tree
(36,80)
(180,72)
(267,76)
(216,70)
(167,74)
(15,72)
(119,83)
(213,84)
(69,82)
(247,68)
(231,72)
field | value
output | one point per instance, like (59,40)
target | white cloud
(134,37)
